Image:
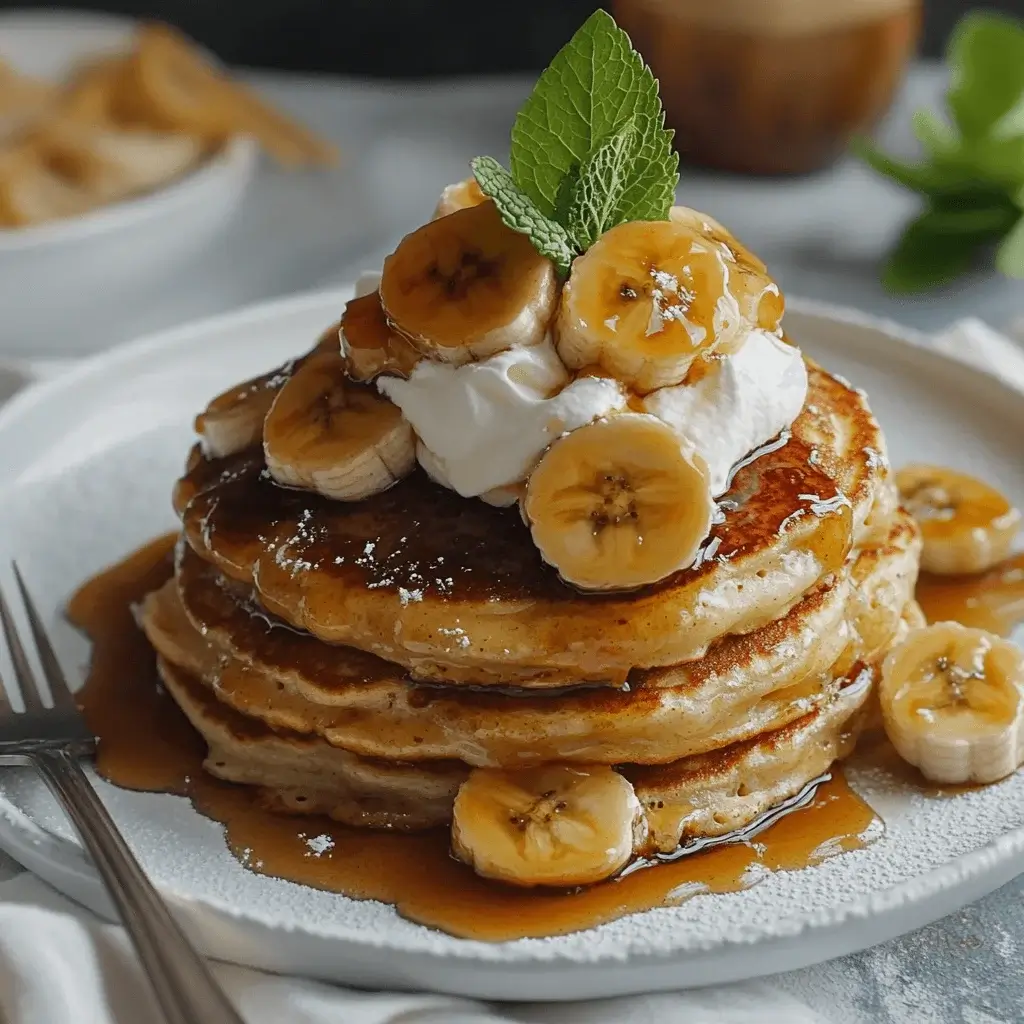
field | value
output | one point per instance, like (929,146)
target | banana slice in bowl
(465,287)
(327,434)
(966,525)
(953,702)
(619,503)
(553,825)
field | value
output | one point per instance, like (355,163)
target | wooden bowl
(772,86)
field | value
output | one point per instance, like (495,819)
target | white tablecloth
(61,965)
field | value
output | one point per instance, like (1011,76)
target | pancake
(744,686)
(714,794)
(455,592)
(304,775)
(694,798)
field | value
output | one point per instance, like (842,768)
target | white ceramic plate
(56,275)
(88,462)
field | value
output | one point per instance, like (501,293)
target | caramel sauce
(992,600)
(147,744)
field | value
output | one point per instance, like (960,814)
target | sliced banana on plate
(369,344)
(619,503)
(645,300)
(553,825)
(465,287)
(459,196)
(966,525)
(952,700)
(327,434)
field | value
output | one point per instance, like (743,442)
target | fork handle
(184,987)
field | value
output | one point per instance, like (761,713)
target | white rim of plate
(883,901)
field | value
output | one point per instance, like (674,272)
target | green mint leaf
(520,213)
(594,86)
(1010,255)
(925,258)
(600,186)
(986,59)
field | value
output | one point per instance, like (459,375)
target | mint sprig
(520,213)
(589,147)
(971,177)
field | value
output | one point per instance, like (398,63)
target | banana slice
(552,825)
(966,525)
(465,287)
(952,702)
(758,295)
(645,300)
(369,344)
(233,421)
(619,503)
(458,197)
(326,434)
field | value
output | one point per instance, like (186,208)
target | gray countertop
(822,236)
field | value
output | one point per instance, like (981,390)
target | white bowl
(55,277)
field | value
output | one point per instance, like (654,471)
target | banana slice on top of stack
(612,407)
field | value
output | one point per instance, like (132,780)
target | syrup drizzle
(147,744)
(992,600)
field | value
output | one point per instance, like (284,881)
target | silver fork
(53,740)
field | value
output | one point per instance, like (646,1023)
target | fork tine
(5,704)
(60,692)
(22,670)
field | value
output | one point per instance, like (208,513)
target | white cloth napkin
(59,963)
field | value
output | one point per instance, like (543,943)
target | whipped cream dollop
(743,401)
(485,425)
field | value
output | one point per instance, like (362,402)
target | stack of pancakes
(360,659)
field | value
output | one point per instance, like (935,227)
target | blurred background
(402,38)
(331,126)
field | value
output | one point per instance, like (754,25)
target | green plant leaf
(1010,254)
(596,84)
(925,258)
(996,160)
(616,185)
(926,178)
(520,213)
(986,59)
(991,219)
(937,137)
